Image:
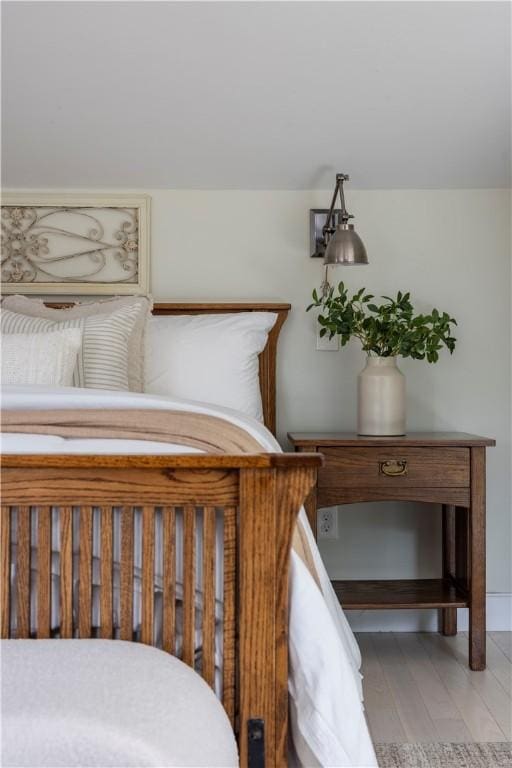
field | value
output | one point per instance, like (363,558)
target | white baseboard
(499,618)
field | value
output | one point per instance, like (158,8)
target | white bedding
(89,703)
(327,717)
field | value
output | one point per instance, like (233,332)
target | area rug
(488,755)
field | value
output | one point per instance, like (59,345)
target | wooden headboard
(267,357)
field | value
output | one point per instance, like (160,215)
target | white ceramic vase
(381,398)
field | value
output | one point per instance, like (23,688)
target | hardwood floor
(418,688)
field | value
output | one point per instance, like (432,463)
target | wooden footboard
(91,506)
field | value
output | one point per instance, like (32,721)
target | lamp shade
(345,247)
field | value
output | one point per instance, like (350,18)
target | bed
(240,597)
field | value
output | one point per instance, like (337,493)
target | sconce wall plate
(317,219)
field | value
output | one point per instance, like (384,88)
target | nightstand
(446,468)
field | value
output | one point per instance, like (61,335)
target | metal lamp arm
(328,229)
(344,215)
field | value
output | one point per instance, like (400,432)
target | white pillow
(103,361)
(48,359)
(211,358)
(24,305)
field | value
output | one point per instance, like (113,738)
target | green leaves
(388,329)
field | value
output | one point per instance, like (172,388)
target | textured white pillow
(103,362)
(37,308)
(211,358)
(48,359)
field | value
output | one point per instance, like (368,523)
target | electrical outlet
(328,523)
(325,344)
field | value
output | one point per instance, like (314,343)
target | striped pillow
(32,307)
(102,361)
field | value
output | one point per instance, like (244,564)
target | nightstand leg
(477,561)
(448,616)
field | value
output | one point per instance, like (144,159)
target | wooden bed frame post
(269,501)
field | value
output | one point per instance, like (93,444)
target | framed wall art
(63,243)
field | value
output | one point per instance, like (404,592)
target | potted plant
(386,331)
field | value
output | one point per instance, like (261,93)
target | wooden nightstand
(446,468)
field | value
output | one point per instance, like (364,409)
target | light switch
(325,344)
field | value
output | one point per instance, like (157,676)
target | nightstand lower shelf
(401,593)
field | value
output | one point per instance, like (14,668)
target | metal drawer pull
(394,468)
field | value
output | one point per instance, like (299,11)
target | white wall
(451,249)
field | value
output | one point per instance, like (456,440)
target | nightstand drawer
(394,466)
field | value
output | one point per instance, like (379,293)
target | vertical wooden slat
(66,572)
(209,595)
(23,573)
(228,623)
(169,580)
(189,584)
(85,573)
(5,553)
(148,573)
(126,622)
(106,573)
(44,578)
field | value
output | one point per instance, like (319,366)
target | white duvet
(326,712)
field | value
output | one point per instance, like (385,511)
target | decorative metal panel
(74,244)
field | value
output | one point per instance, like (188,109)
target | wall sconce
(332,237)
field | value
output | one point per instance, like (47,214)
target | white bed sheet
(327,716)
